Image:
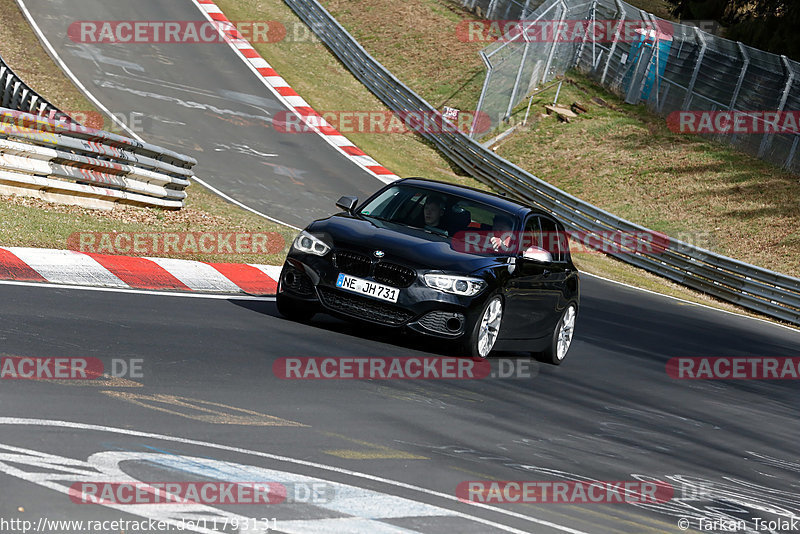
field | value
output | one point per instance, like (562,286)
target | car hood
(410,246)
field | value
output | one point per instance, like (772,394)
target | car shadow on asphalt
(381,334)
(404,339)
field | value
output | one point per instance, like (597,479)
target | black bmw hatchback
(444,261)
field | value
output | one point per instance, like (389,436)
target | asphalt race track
(384,456)
(609,413)
(202,100)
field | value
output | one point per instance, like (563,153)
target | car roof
(492,199)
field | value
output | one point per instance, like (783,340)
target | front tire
(482,336)
(293,309)
(561,339)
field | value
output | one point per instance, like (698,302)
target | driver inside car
(433,212)
(501,230)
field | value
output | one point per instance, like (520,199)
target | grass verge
(620,157)
(30,222)
(417,61)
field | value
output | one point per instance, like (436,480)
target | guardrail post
(657,52)
(490,9)
(590,27)
(746,63)
(766,141)
(690,88)
(621,10)
(515,89)
(483,92)
(735,96)
(525,9)
(643,62)
(555,41)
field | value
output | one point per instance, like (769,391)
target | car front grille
(394,275)
(363,307)
(352,263)
(360,265)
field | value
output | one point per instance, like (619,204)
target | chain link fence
(515,64)
(703,83)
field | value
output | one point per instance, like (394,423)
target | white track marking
(690,302)
(289,101)
(243,206)
(187,441)
(332,139)
(182,294)
(40,34)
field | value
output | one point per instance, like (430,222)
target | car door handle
(545,273)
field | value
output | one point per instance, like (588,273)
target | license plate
(365,287)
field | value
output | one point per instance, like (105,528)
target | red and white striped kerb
(69,267)
(289,97)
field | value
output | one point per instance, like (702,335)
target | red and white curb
(284,93)
(69,267)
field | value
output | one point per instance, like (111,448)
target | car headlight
(310,244)
(457,285)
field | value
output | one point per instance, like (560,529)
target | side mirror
(537,254)
(348,204)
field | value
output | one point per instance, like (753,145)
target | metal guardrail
(42,149)
(15,94)
(65,158)
(749,286)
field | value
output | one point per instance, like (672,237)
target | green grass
(622,158)
(627,161)
(333,88)
(21,49)
(31,222)
(444,71)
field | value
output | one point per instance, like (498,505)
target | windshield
(435,212)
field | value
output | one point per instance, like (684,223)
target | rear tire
(561,339)
(481,336)
(293,309)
